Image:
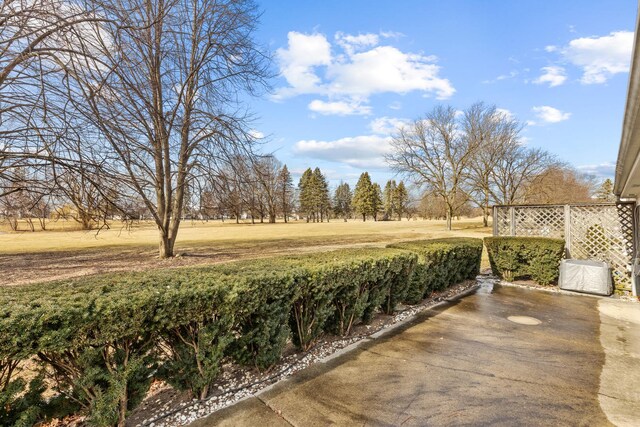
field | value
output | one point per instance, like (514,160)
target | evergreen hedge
(441,263)
(101,340)
(537,258)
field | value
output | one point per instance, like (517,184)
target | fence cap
(556,205)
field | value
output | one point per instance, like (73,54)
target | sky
(349,72)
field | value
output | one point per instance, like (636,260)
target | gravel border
(556,290)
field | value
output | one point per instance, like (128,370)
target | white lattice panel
(603,232)
(503,221)
(545,221)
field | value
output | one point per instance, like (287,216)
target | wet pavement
(467,363)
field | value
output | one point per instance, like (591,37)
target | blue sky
(352,70)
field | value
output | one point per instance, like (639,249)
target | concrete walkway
(466,363)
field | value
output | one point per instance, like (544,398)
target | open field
(27,257)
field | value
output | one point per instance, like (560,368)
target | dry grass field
(60,253)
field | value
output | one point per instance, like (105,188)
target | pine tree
(376,200)
(362,196)
(285,192)
(605,192)
(342,201)
(305,188)
(389,198)
(401,199)
(321,195)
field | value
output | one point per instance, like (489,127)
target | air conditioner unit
(588,276)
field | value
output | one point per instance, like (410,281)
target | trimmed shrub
(537,258)
(441,263)
(102,339)
(95,335)
(20,403)
(334,290)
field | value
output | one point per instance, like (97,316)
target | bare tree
(559,183)
(37,40)
(493,133)
(432,153)
(515,169)
(267,170)
(163,94)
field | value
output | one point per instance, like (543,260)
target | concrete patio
(466,363)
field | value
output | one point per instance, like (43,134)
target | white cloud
(304,53)
(387,69)
(256,134)
(395,105)
(386,125)
(366,151)
(364,68)
(549,114)
(391,34)
(507,114)
(339,108)
(351,43)
(602,170)
(554,75)
(599,57)
(512,74)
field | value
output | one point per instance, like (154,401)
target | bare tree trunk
(485,216)
(166,245)
(122,410)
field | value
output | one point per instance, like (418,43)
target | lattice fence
(604,232)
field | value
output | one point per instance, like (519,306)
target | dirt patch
(20,269)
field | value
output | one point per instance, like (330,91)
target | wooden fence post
(495,220)
(512,215)
(567,230)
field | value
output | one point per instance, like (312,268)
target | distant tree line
(257,188)
(266,192)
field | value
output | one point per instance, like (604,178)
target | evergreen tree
(321,195)
(376,200)
(285,192)
(342,201)
(362,196)
(305,188)
(605,192)
(389,199)
(401,200)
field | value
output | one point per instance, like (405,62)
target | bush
(20,403)
(95,335)
(441,263)
(333,290)
(102,339)
(537,258)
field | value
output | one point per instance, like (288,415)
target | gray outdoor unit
(592,277)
